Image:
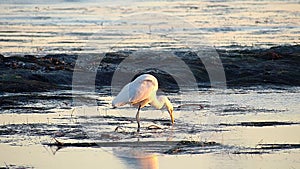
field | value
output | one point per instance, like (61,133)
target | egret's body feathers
(142,89)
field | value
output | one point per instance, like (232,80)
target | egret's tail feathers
(117,103)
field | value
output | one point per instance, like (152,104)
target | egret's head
(169,107)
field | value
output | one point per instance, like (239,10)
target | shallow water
(42,27)
(233,130)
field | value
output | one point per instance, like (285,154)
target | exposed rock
(274,66)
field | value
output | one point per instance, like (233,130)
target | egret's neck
(158,102)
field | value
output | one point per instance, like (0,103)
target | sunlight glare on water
(48,27)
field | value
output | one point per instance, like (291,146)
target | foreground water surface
(246,127)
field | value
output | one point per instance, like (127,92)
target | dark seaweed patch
(40,129)
(234,110)
(118,118)
(274,66)
(25,103)
(278,146)
(247,109)
(266,148)
(260,124)
(164,147)
(249,152)
(192,147)
(61,144)
(12,166)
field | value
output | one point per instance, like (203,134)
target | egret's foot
(153,127)
(139,126)
(58,142)
(119,129)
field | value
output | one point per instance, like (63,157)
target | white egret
(139,93)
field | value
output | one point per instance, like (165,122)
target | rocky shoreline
(274,66)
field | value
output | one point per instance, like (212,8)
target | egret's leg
(138,118)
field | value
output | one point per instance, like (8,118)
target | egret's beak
(171,115)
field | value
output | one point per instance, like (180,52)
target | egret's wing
(141,90)
(123,97)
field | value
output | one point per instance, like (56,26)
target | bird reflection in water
(137,159)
